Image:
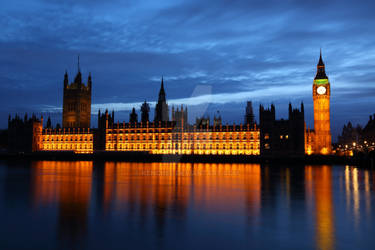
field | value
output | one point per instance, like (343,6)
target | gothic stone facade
(77,102)
(272,138)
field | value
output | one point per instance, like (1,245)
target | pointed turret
(321,63)
(145,110)
(290,109)
(161,109)
(99,118)
(133,117)
(49,123)
(249,115)
(66,79)
(78,78)
(89,82)
(162,91)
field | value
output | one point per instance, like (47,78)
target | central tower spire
(162,91)
(161,109)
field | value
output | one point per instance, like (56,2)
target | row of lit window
(185,137)
(184,146)
(156,129)
(67,146)
(137,131)
(66,138)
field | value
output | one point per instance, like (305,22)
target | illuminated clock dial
(321,90)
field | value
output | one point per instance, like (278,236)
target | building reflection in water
(165,189)
(151,197)
(318,181)
(216,188)
(141,189)
(253,183)
(147,194)
(68,185)
(357,182)
(367,193)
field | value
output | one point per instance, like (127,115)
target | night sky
(213,54)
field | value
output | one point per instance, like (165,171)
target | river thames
(109,205)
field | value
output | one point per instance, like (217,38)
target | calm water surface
(86,205)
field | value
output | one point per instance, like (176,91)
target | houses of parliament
(170,132)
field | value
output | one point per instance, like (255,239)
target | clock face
(321,90)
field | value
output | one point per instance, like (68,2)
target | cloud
(264,51)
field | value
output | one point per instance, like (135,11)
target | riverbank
(358,160)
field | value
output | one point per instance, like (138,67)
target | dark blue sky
(214,54)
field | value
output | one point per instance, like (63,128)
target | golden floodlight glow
(159,140)
(76,140)
(172,137)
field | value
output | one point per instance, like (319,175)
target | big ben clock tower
(321,95)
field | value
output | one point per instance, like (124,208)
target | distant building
(203,121)
(350,135)
(105,120)
(172,139)
(145,112)
(133,117)
(282,137)
(368,132)
(272,137)
(24,134)
(180,116)
(77,102)
(3,139)
(217,119)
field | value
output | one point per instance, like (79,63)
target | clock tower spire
(321,97)
(321,71)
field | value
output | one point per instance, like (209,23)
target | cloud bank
(264,51)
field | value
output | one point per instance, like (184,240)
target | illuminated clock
(321,90)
